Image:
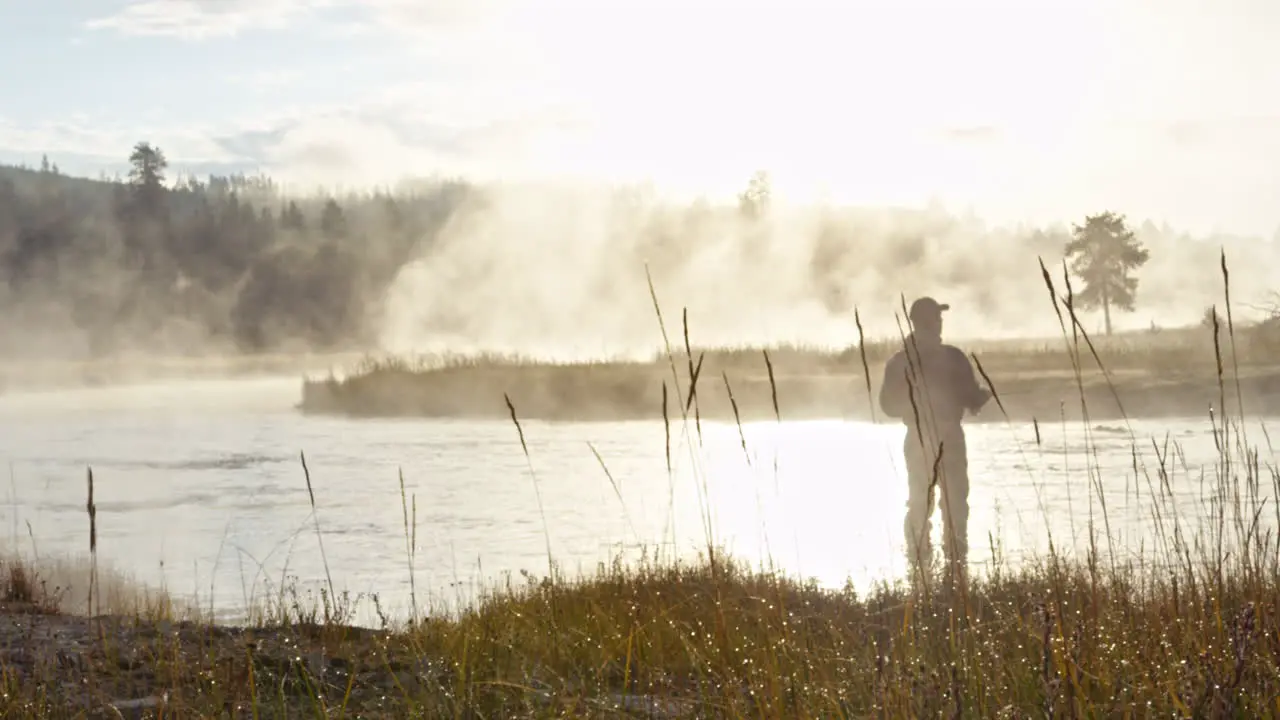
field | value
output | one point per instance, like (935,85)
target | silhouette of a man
(929,385)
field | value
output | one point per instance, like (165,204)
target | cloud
(267,81)
(449,14)
(1018,111)
(386,138)
(200,19)
(423,129)
(977,135)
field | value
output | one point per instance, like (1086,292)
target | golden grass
(1172,349)
(61,584)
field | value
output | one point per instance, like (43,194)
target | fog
(556,271)
(237,277)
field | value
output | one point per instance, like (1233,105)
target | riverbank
(708,639)
(1030,385)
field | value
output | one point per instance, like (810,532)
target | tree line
(227,256)
(236,260)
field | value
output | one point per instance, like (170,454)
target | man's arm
(893,387)
(973,395)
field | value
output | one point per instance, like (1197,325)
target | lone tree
(147,165)
(753,202)
(1103,254)
(146,174)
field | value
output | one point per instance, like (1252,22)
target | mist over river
(199,487)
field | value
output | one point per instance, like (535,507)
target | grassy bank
(1170,373)
(1192,629)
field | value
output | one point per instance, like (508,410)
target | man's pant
(937,469)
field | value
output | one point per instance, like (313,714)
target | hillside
(225,264)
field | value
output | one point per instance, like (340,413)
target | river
(199,488)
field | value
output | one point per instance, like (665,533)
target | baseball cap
(927,306)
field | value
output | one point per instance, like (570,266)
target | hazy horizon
(956,129)
(560,271)
(1033,111)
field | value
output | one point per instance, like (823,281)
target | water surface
(199,487)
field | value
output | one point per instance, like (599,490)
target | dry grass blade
(773,386)
(990,384)
(666,426)
(524,448)
(1231,333)
(617,487)
(410,544)
(692,401)
(742,435)
(92,510)
(315,516)
(866,368)
(662,326)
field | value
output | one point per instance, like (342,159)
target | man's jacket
(938,378)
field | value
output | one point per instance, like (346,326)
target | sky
(1026,110)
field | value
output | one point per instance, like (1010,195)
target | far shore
(734,392)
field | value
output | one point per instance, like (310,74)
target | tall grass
(1190,627)
(1179,350)
(1163,373)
